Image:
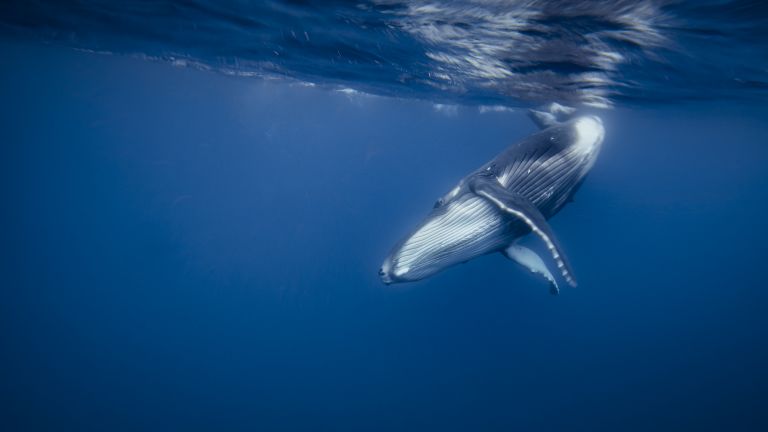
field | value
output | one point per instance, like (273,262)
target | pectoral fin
(533,262)
(521,208)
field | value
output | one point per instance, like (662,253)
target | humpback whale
(512,195)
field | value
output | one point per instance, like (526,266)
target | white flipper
(533,262)
(519,207)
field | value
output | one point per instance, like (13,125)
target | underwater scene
(380,215)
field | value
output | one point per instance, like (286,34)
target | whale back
(548,167)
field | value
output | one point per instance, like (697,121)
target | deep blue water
(186,249)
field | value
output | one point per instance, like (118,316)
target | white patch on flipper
(531,261)
(535,229)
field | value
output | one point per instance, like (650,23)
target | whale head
(460,227)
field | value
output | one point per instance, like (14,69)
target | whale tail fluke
(551,115)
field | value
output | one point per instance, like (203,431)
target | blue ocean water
(196,197)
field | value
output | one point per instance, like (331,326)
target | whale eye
(438,203)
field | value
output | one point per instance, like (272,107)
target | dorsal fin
(551,115)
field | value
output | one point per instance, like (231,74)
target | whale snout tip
(385,272)
(384,276)
(391,273)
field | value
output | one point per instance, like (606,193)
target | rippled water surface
(487,52)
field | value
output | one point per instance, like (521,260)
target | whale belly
(464,229)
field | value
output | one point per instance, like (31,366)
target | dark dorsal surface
(546,167)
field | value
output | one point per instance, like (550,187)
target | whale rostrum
(507,198)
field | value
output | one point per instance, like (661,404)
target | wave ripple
(485,52)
